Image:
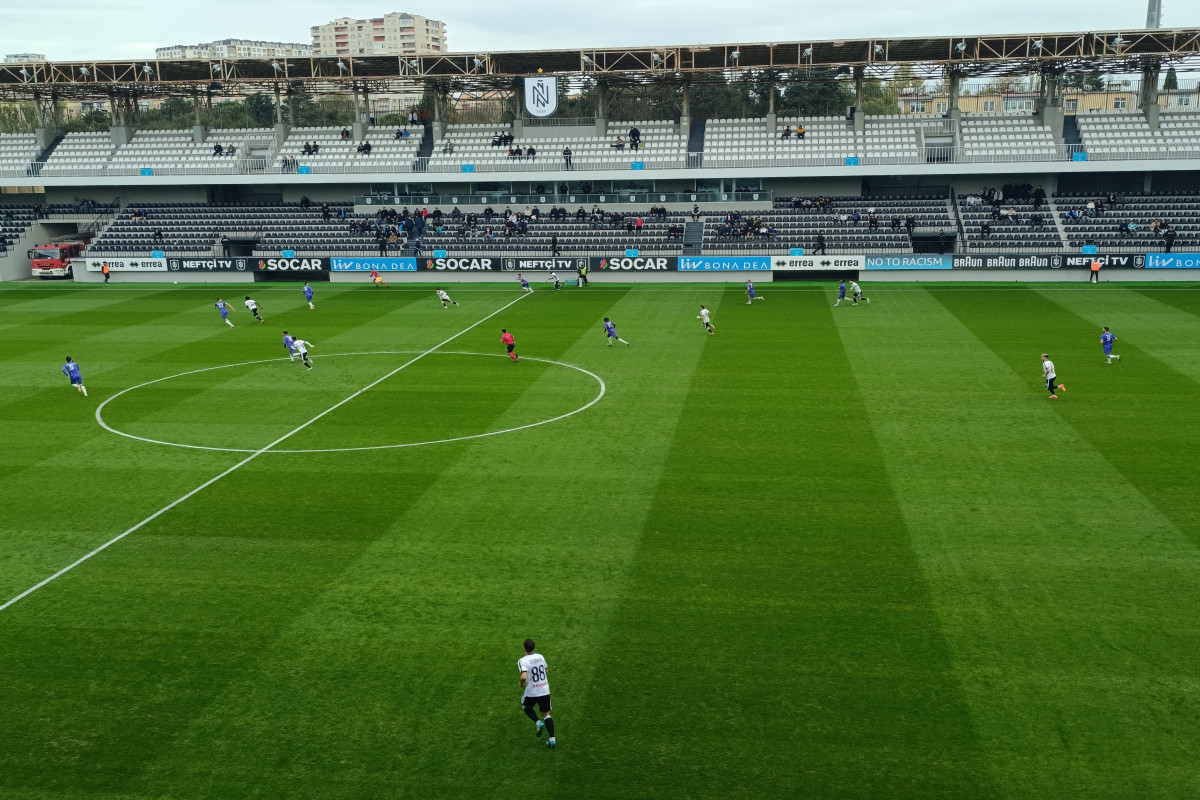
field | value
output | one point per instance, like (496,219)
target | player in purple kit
(308,294)
(750,296)
(524,283)
(223,307)
(71,370)
(610,332)
(289,345)
(1107,338)
(841,292)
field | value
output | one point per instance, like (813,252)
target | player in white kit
(705,318)
(445,298)
(536,692)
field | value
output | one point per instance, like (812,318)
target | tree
(261,110)
(1171,82)
(1090,81)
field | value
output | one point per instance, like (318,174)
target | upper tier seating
(335,154)
(79,152)
(991,137)
(16,151)
(662,147)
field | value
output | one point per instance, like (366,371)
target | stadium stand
(794,225)
(198,229)
(1015,222)
(80,153)
(338,154)
(575,236)
(15,221)
(662,147)
(16,151)
(987,137)
(1134,221)
(1116,136)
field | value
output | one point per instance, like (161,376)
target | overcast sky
(68,30)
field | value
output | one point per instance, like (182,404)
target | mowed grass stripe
(1057,583)
(80,485)
(191,601)
(538,547)
(1132,417)
(779,640)
(1162,323)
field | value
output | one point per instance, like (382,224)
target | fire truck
(54,260)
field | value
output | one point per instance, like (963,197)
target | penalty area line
(248,459)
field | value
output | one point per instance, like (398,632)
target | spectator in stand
(941,242)
(218,149)
(530,152)
(819,248)
(910,222)
(345,134)
(1039,197)
(787,132)
(873,222)
(985,230)
(618,143)
(895,223)
(567,157)
(554,245)
(1168,239)
(158,234)
(695,213)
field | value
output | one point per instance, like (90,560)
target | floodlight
(24,72)
(878,49)
(1117,42)
(414,63)
(84,71)
(807,53)
(656,58)
(1037,44)
(961,47)
(216,67)
(586,60)
(146,69)
(478,63)
(735,55)
(275,66)
(342,66)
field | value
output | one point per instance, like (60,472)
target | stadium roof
(1107,51)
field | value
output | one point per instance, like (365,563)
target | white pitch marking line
(247,460)
(589,373)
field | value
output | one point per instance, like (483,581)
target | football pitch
(828,552)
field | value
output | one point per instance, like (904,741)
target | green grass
(828,552)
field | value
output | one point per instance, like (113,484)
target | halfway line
(250,458)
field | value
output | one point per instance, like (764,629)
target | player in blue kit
(71,370)
(289,344)
(223,307)
(524,283)
(308,293)
(1107,338)
(750,296)
(610,332)
(841,292)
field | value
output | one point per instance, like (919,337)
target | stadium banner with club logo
(909,262)
(127,264)
(637,264)
(381,264)
(209,264)
(1171,260)
(292,264)
(541,95)
(816,263)
(724,264)
(534,264)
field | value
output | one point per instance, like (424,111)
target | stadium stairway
(45,154)
(421,162)
(695,143)
(1071,134)
(693,238)
(1052,211)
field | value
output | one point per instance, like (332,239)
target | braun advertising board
(1044,261)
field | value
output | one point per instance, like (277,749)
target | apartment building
(236,48)
(392,34)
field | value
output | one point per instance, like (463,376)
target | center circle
(601,388)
